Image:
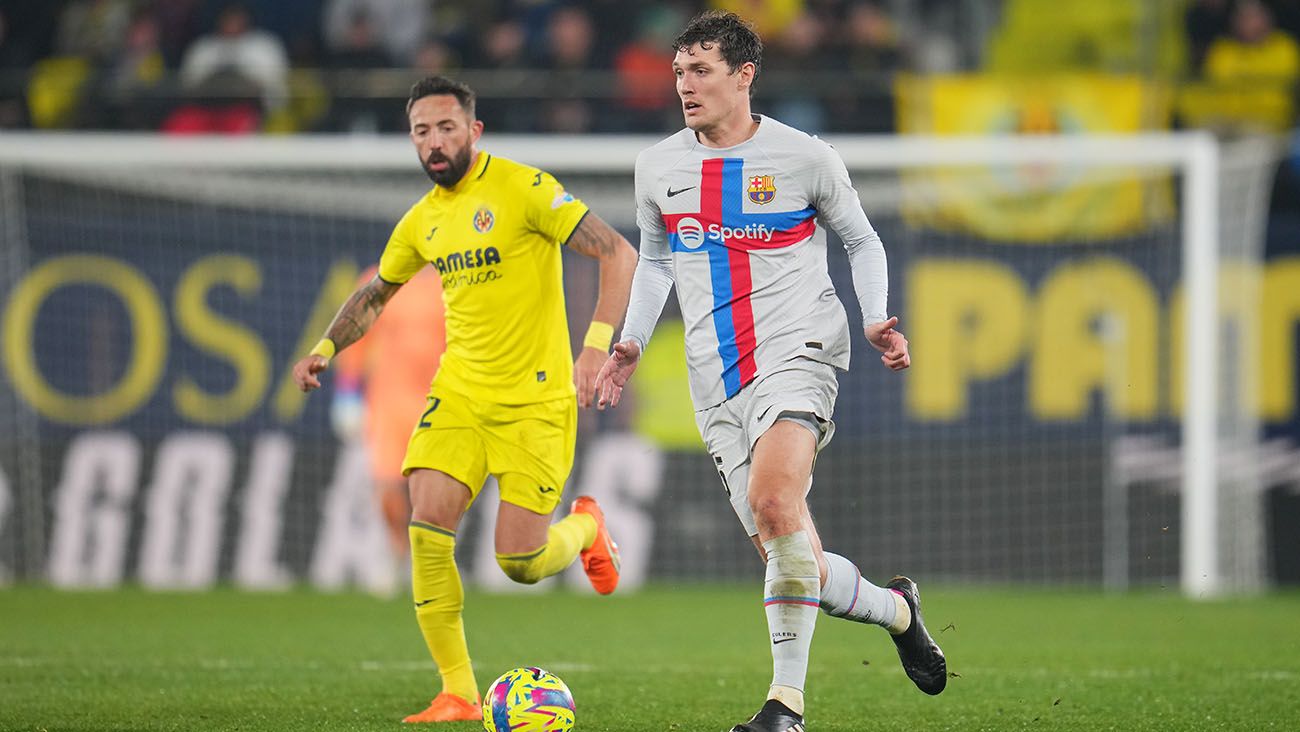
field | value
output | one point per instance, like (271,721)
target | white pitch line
(401,666)
(411,666)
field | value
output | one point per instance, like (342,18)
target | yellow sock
(564,540)
(439,600)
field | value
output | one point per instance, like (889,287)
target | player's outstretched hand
(304,372)
(889,342)
(614,374)
(584,374)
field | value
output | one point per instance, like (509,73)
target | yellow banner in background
(1033,203)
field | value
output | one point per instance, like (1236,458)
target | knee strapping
(526,569)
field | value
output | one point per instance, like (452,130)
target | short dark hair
(435,85)
(734,36)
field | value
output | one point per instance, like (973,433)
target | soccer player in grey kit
(729,209)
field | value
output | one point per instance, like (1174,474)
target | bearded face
(447,171)
(444,134)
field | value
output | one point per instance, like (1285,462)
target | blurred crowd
(592,65)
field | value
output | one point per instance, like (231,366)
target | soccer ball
(528,700)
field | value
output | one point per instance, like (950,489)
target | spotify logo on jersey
(691,233)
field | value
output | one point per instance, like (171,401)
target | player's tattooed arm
(352,321)
(596,239)
(360,311)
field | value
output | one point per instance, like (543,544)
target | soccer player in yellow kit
(503,401)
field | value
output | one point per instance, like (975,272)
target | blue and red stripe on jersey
(722,204)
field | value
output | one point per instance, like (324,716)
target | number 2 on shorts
(424,418)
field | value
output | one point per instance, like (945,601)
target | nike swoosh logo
(779,641)
(422,603)
(672,193)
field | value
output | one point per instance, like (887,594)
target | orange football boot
(600,560)
(449,708)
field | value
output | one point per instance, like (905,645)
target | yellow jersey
(495,239)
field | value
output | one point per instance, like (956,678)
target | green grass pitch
(687,658)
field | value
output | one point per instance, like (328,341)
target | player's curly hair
(434,85)
(734,36)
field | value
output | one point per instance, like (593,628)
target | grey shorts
(803,391)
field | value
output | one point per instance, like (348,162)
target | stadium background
(138,447)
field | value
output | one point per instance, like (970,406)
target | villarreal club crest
(483,220)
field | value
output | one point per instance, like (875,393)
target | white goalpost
(1017,477)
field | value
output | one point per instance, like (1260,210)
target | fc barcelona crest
(762,188)
(483,220)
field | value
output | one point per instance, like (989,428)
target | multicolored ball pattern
(528,699)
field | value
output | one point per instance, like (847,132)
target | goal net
(1058,425)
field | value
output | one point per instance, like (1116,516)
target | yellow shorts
(529,447)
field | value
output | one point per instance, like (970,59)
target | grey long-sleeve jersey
(739,230)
